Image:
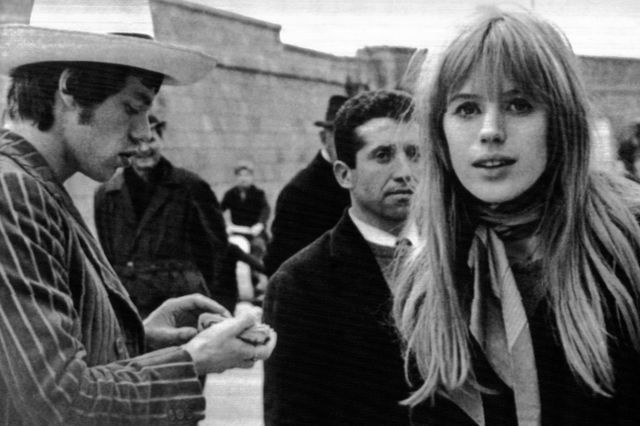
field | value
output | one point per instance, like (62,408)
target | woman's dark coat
(564,399)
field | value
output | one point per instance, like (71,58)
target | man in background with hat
(161,227)
(311,203)
(73,349)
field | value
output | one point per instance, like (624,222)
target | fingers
(207,304)
(235,326)
(167,336)
(256,311)
(264,351)
(207,319)
(247,363)
(184,334)
(220,347)
(261,352)
(199,302)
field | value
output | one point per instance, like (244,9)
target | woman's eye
(519,106)
(466,109)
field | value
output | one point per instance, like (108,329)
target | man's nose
(492,130)
(404,168)
(140,130)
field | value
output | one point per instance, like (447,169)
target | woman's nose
(492,130)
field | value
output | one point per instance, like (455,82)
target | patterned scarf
(498,320)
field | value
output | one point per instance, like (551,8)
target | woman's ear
(65,96)
(344,174)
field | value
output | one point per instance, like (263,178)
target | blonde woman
(519,303)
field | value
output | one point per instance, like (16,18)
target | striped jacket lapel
(24,154)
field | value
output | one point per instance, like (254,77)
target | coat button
(179,414)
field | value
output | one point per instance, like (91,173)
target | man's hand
(257,229)
(175,321)
(218,347)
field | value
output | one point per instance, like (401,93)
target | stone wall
(259,104)
(614,85)
(261,101)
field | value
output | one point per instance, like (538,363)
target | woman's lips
(493,162)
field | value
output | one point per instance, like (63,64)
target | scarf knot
(510,224)
(498,320)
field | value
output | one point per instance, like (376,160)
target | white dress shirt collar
(373,234)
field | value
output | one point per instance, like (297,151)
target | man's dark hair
(31,94)
(362,108)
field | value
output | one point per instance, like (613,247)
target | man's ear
(344,174)
(65,96)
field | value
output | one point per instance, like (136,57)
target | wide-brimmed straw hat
(105,31)
(335,102)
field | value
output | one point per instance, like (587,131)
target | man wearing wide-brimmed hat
(72,345)
(312,202)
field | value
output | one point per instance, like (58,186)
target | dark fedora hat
(335,102)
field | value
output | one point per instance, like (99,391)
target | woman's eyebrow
(462,96)
(513,92)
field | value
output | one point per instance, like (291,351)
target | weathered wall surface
(261,101)
(259,104)
(614,85)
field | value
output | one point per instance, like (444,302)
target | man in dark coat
(311,203)
(247,210)
(338,359)
(247,204)
(160,227)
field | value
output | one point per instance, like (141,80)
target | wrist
(193,348)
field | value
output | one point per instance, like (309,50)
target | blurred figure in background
(312,202)
(246,212)
(629,150)
(160,226)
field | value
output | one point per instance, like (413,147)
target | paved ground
(234,398)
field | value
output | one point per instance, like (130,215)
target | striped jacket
(67,326)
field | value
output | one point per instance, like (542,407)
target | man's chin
(398,212)
(101,175)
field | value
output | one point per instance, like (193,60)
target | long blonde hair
(589,223)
